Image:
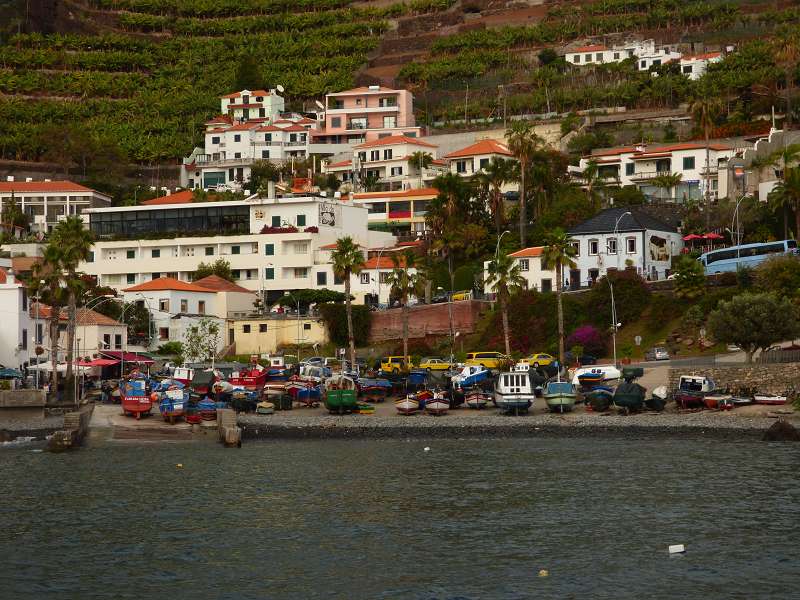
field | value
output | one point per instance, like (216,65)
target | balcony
(363,110)
(224,162)
(647,175)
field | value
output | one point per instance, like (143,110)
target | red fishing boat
(135,398)
(251,379)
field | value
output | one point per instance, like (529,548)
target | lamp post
(289,295)
(497,248)
(614,323)
(737,227)
(378,275)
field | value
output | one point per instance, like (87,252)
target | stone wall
(774,379)
(426,320)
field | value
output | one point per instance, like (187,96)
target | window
(362,156)
(300,272)
(547,285)
(24,299)
(276,221)
(630,169)
(301,220)
(265,154)
(322,278)
(524,264)
(301,247)
(657,62)
(611,245)
(387,154)
(365,278)
(155,276)
(631,245)
(383,277)
(375,155)
(687,69)
(90,258)
(163,333)
(107,340)
(306,326)
(236,274)
(688,163)
(389,122)
(337,280)
(267,137)
(237,155)
(292,137)
(209,251)
(484,162)
(236,250)
(130,254)
(201,307)
(616,55)
(269,249)
(588,58)
(184,305)
(599,57)
(396,171)
(643,64)
(163,305)
(39,333)
(215,139)
(336,121)
(237,138)
(155,253)
(461,166)
(577,58)
(118,341)
(24,339)
(245,328)
(131,278)
(593,245)
(269,273)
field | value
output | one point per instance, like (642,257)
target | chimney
(10,178)
(10,277)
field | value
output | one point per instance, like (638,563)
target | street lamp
(614,324)
(735,219)
(289,295)
(378,275)
(497,248)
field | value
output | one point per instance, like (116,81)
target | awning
(128,357)
(692,236)
(713,236)
(10,374)
(98,362)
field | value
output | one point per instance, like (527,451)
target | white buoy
(677,549)
(427,449)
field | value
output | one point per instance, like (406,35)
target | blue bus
(744,256)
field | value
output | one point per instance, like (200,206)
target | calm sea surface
(384,519)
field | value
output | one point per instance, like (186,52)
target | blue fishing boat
(173,403)
(470,375)
(599,397)
(207,409)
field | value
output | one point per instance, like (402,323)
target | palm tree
(787,56)
(74,242)
(523,142)
(787,193)
(48,283)
(558,254)
(347,259)
(704,110)
(421,160)
(593,182)
(666,181)
(492,178)
(503,278)
(405,284)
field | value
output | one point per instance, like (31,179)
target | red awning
(128,357)
(692,236)
(97,362)
(713,236)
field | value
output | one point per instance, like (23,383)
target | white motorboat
(607,372)
(438,405)
(513,392)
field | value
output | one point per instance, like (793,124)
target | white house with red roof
(642,165)
(476,157)
(646,52)
(16,334)
(48,202)
(695,66)
(531,269)
(401,211)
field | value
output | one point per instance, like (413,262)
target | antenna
(279,87)
(319,104)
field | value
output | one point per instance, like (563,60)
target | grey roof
(635,220)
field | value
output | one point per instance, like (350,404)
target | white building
(476,157)
(402,211)
(620,238)
(273,245)
(695,66)
(16,335)
(48,202)
(646,52)
(641,165)
(531,268)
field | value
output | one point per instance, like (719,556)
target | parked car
(583,359)
(435,364)
(656,353)
(540,359)
(439,298)
(490,360)
(395,364)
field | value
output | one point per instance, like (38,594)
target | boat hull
(136,406)
(437,406)
(769,400)
(514,403)
(407,406)
(560,403)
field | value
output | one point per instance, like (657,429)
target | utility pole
(466,103)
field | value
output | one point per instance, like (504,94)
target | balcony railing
(649,174)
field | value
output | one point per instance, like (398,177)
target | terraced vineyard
(154,70)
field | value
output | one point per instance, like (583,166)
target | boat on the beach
(599,398)
(135,397)
(340,395)
(470,375)
(207,409)
(306,393)
(438,404)
(692,390)
(595,374)
(718,401)
(769,399)
(513,393)
(476,398)
(560,396)
(265,408)
(173,403)
(629,394)
(374,389)
(408,405)
(251,379)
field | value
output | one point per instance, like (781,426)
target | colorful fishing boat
(340,395)
(559,396)
(599,398)
(374,389)
(173,404)
(438,405)
(265,408)
(134,397)
(692,390)
(513,393)
(595,374)
(629,395)
(305,393)
(251,379)
(476,398)
(470,376)
(769,399)
(408,405)
(207,409)
(718,401)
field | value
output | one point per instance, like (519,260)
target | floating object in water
(677,549)
(543,573)
(427,449)
(179,465)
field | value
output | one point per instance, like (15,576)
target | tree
(74,242)
(201,341)
(666,182)
(503,278)
(786,193)
(220,268)
(627,195)
(308,297)
(421,160)
(371,183)
(248,76)
(261,173)
(590,338)
(498,172)
(404,284)
(47,285)
(690,278)
(704,110)
(523,142)
(593,182)
(547,56)
(779,275)
(13,215)
(754,322)
(557,255)
(348,260)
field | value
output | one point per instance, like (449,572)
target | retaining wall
(773,379)
(431,319)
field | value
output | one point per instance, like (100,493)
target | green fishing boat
(560,396)
(630,395)
(341,396)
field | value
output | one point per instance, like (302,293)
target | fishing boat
(595,374)
(560,396)
(134,397)
(718,401)
(470,376)
(265,408)
(408,405)
(374,389)
(207,409)
(340,395)
(476,398)
(183,374)
(439,404)
(203,381)
(513,392)
(243,400)
(304,392)
(692,389)
(251,379)
(599,398)
(769,399)
(173,404)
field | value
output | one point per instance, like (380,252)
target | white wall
(17,329)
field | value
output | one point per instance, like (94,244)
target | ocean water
(385,519)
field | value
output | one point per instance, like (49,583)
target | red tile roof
(361,90)
(42,186)
(182,197)
(703,56)
(341,163)
(487,146)
(396,139)
(220,119)
(528,252)
(430,192)
(252,93)
(83,316)
(216,283)
(165,284)
(295,128)
(659,150)
(269,128)
(595,48)
(383,262)
(243,126)
(250,105)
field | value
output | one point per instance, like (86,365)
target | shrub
(690,279)
(631,297)
(591,339)
(779,274)
(335,317)
(170,349)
